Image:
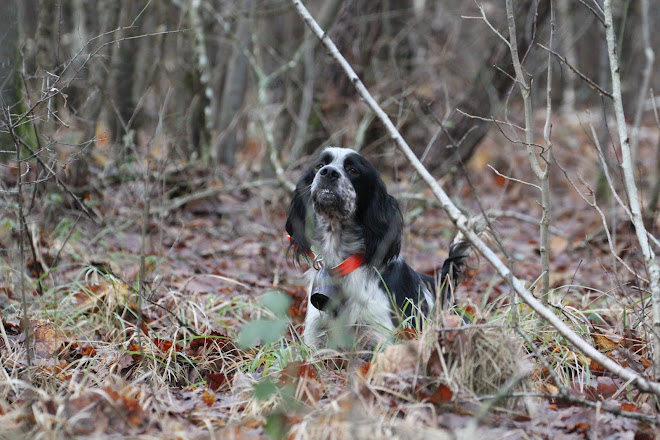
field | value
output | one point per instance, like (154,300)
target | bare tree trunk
(47,47)
(631,188)
(649,55)
(463,132)
(107,13)
(9,70)
(202,106)
(326,18)
(45,38)
(233,91)
(122,68)
(568,48)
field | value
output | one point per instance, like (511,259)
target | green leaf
(264,389)
(276,425)
(261,330)
(277,302)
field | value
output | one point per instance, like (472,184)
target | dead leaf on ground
(47,339)
(606,340)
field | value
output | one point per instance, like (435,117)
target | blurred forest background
(224,78)
(147,148)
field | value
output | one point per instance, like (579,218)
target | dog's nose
(319,301)
(330,173)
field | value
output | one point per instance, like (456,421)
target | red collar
(342,269)
(348,265)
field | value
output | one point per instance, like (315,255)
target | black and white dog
(343,220)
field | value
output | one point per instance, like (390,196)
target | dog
(343,221)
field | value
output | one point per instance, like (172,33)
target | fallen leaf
(208,398)
(443,394)
(552,389)
(626,406)
(557,244)
(47,340)
(216,380)
(606,341)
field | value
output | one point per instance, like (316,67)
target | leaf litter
(174,368)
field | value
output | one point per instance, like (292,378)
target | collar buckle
(318,262)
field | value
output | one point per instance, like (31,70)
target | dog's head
(339,190)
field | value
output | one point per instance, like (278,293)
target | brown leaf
(47,340)
(295,370)
(217,380)
(165,345)
(557,244)
(626,406)
(407,334)
(606,340)
(602,388)
(216,342)
(208,398)
(136,350)
(443,394)
(552,389)
(363,368)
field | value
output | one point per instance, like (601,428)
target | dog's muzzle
(332,194)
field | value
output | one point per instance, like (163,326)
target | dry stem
(542,174)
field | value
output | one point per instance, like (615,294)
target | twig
(608,177)
(594,205)
(73,227)
(582,76)
(462,222)
(581,401)
(21,238)
(525,218)
(598,17)
(502,393)
(66,189)
(210,192)
(75,198)
(513,179)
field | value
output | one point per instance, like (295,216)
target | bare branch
(533,185)
(582,76)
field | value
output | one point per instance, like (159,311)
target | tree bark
(233,91)
(631,187)
(122,69)
(10,85)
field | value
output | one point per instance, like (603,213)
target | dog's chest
(338,242)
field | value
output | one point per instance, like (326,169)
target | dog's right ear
(298,225)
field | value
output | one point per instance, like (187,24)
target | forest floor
(206,350)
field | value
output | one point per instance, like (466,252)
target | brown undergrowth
(179,365)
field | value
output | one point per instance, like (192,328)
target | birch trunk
(631,187)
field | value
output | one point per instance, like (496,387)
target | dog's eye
(353,171)
(319,166)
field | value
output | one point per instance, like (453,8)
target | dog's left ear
(298,225)
(382,224)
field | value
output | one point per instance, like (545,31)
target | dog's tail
(453,267)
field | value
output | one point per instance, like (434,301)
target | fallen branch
(209,192)
(461,221)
